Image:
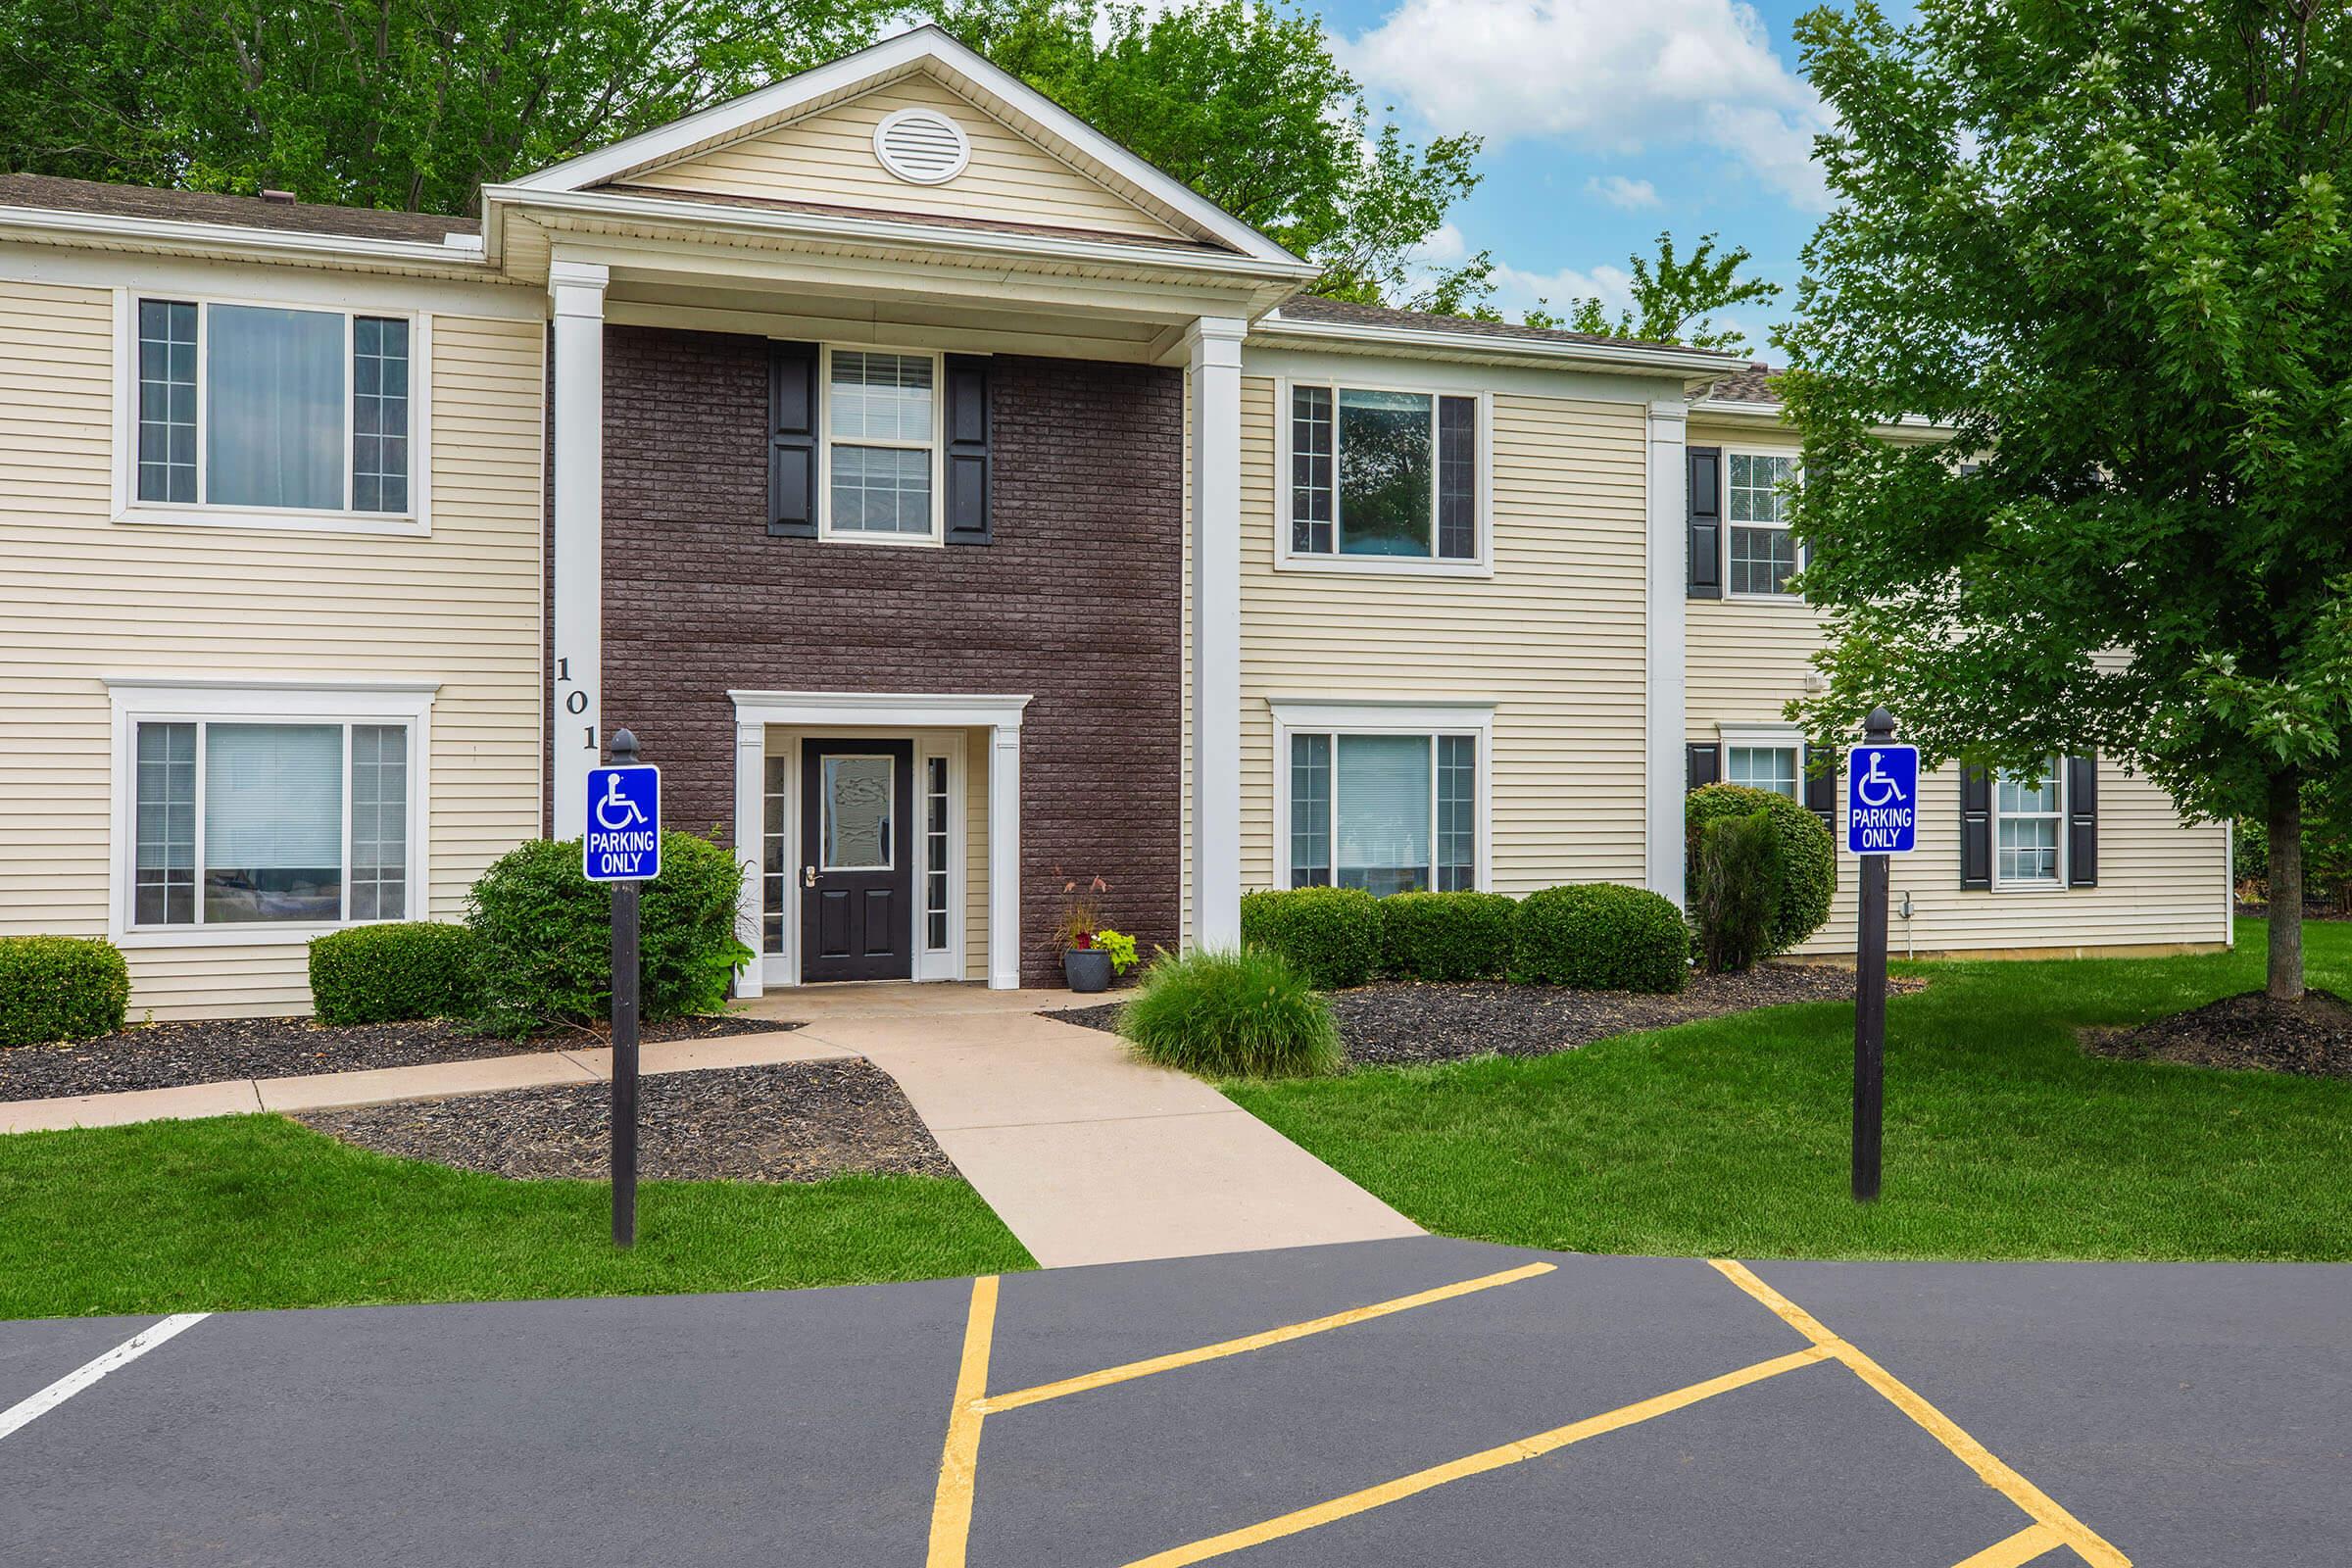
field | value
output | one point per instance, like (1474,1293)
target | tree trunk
(2286,887)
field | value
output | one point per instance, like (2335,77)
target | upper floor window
(2027,813)
(1762,550)
(1384,475)
(273,410)
(881,447)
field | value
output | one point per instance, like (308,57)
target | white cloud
(1614,76)
(1516,292)
(1619,191)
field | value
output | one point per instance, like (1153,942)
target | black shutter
(1705,552)
(1458,479)
(2083,821)
(792,440)
(1702,764)
(1976,828)
(967,465)
(1820,792)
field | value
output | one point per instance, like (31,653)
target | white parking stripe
(89,1372)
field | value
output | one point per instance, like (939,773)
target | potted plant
(1091,954)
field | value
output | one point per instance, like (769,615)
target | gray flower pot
(1087,970)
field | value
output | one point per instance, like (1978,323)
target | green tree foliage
(1243,102)
(1675,298)
(2108,244)
(405,103)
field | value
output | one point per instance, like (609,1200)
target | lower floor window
(294,823)
(1762,767)
(1389,813)
(935,855)
(2027,812)
(774,854)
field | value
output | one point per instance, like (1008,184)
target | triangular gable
(810,140)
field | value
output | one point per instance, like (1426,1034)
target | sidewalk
(1087,1154)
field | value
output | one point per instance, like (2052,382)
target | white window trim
(1479,564)
(935,446)
(1384,716)
(1768,736)
(126,506)
(1784,596)
(1992,818)
(232,699)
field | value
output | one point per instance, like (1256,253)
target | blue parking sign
(1882,799)
(622,841)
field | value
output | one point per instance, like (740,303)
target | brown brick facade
(1078,600)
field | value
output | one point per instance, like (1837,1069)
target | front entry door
(857,871)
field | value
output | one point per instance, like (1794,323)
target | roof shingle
(1342,312)
(53,193)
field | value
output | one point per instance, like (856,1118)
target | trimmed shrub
(59,987)
(1445,937)
(1598,936)
(391,973)
(544,936)
(1246,1014)
(1329,935)
(1738,890)
(1808,875)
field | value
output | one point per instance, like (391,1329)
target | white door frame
(999,715)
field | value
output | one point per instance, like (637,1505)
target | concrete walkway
(1089,1155)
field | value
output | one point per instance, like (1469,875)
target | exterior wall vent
(922,146)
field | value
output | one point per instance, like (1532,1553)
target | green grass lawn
(254,1211)
(2003,1139)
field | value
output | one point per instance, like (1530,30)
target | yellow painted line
(952,1503)
(997,1403)
(2019,1549)
(1509,1454)
(2071,1531)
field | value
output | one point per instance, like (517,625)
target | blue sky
(1606,121)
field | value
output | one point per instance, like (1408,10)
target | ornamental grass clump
(1232,1014)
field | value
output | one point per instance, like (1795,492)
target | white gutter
(1627,355)
(458,251)
(756,223)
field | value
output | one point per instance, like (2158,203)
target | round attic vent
(922,146)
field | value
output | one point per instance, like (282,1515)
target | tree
(2107,244)
(1674,299)
(406,104)
(1243,102)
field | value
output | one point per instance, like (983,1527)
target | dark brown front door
(856,874)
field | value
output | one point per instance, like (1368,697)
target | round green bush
(1446,937)
(59,987)
(1598,936)
(1246,1014)
(1329,935)
(1808,873)
(544,936)
(391,973)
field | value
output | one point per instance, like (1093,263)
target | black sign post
(1870,1001)
(625,972)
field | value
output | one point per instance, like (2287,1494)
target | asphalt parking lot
(1409,1401)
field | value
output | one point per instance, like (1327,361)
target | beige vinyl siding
(1555,639)
(829,158)
(2160,882)
(84,598)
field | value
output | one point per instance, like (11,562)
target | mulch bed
(798,1121)
(2311,1038)
(166,1055)
(1393,1023)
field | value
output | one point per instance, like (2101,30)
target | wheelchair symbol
(1888,789)
(629,815)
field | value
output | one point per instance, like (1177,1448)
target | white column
(1213,368)
(1669,475)
(578,290)
(751,830)
(1004,857)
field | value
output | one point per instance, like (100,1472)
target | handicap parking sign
(622,841)
(1882,799)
